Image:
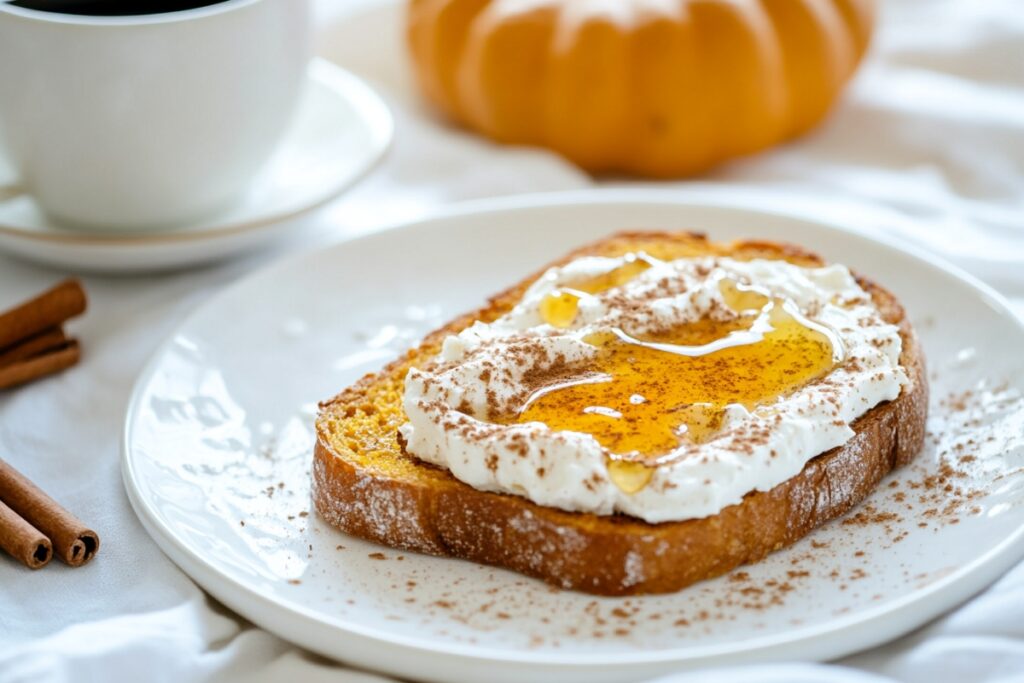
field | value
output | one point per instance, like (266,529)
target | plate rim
(917,607)
(364,100)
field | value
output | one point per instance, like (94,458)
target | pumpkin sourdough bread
(365,483)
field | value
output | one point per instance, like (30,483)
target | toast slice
(365,483)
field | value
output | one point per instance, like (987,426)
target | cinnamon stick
(22,541)
(48,363)
(73,542)
(47,340)
(49,309)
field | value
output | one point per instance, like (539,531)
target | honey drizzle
(559,308)
(641,397)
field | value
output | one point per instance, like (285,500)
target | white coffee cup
(147,121)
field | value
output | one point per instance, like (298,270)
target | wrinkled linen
(928,144)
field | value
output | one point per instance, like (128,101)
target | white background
(931,132)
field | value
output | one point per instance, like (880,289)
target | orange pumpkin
(659,88)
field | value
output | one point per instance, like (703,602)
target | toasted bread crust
(365,484)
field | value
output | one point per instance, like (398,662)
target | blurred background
(923,143)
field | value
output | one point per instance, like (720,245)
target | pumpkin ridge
(814,29)
(859,17)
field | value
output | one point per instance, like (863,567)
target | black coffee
(113,8)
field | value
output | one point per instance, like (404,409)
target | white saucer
(218,441)
(341,130)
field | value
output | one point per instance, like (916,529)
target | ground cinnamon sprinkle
(869,514)
(941,489)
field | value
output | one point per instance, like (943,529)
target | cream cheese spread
(485,370)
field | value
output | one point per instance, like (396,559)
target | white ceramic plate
(218,440)
(340,131)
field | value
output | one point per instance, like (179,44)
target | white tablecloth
(931,135)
